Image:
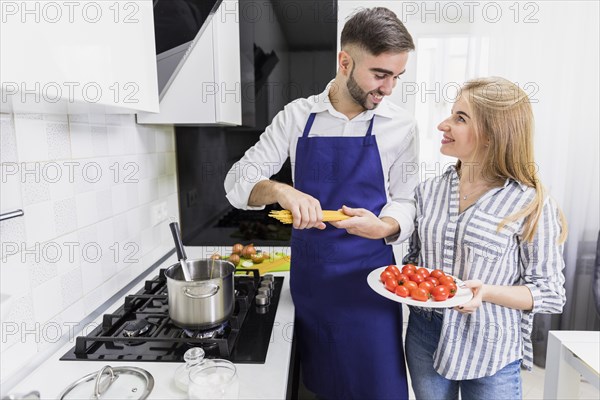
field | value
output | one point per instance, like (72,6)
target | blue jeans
(424,328)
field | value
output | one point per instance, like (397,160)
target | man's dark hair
(377,30)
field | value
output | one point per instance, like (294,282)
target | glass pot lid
(111,383)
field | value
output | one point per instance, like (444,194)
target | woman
(487,221)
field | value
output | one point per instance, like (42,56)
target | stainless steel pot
(207,300)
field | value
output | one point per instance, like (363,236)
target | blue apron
(349,337)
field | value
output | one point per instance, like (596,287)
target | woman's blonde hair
(502,115)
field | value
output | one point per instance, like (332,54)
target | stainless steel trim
(11,214)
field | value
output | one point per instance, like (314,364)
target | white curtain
(554,58)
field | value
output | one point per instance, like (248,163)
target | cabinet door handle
(11,214)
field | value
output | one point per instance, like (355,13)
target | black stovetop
(244,338)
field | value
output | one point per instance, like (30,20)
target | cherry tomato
(453,289)
(402,291)
(391,284)
(427,286)
(437,273)
(410,285)
(402,279)
(423,271)
(409,269)
(385,275)
(444,280)
(440,293)
(393,269)
(432,280)
(418,278)
(419,294)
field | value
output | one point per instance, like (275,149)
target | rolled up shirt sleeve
(543,263)
(403,179)
(259,163)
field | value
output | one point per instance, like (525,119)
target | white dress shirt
(397,141)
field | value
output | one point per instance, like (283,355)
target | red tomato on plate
(418,278)
(432,280)
(410,285)
(427,286)
(409,269)
(453,289)
(385,275)
(393,269)
(423,271)
(419,294)
(437,273)
(402,291)
(440,293)
(402,279)
(391,284)
(445,280)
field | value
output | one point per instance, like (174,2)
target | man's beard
(358,95)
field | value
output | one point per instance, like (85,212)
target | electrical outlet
(192,197)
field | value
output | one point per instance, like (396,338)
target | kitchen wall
(98,192)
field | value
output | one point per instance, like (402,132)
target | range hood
(199,74)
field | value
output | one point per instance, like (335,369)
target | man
(349,147)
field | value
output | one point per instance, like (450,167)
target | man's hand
(366,224)
(306,210)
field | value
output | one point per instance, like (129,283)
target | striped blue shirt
(468,246)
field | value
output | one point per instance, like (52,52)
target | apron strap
(309,124)
(370,127)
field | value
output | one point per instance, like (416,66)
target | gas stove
(141,330)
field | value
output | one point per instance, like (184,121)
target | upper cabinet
(84,56)
(199,80)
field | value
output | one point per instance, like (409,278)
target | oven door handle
(207,290)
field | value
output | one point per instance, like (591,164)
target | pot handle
(211,290)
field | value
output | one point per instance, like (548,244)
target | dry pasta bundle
(285,216)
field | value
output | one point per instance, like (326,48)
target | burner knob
(265,291)
(268,284)
(261,300)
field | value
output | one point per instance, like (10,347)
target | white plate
(462,295)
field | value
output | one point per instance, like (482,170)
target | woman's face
(459,139)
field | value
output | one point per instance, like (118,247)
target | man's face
(373,77)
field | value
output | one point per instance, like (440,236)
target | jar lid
(111,383)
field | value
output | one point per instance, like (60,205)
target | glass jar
(192,357)
(215,380)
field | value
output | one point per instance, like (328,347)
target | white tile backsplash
(84,236)
(15,273)
(8,141)
(65,216)
(43,307)
(32,143)
(39,223)
(59,145)
(12,231)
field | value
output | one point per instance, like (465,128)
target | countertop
(257,381)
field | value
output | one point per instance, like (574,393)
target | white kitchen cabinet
(84,56)
(207,88)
